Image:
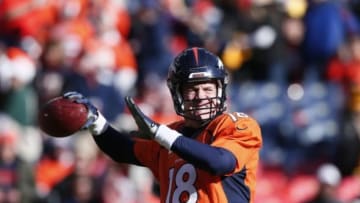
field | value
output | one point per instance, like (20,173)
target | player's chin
(202,115)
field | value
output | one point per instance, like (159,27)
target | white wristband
(166,136)
(99,125)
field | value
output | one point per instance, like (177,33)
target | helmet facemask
(197,66)
(213,107)
(204,109)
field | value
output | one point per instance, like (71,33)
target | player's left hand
(147,127)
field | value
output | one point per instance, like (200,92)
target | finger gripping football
(61,117)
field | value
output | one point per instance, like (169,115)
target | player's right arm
(123,147)
(117,145)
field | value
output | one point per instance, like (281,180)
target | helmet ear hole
(196,65)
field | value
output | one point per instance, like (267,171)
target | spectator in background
(55,164)
(16,175)
(348,151)
(18,96)
(344,70)
(156,101)
(83,182)
(92,75)
(111,22)
(329,178)
(118,187)
(354,5)
(51,77)
(150,37)
(327,25)
(26,20)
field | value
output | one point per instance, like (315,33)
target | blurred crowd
(294,65)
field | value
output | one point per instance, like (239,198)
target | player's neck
(191,132)
(193,124)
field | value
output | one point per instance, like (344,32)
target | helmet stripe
(195,50)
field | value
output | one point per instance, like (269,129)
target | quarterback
(210,156)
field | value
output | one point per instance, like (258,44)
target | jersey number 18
(184,190)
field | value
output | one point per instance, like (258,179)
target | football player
(209,156)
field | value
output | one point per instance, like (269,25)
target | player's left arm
(237,139)
(217,160)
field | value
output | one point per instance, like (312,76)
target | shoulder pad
(242,121)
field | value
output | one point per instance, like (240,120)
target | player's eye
(209,89)
(189,93)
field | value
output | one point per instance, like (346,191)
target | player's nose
(200,94)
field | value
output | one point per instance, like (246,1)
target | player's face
(200,100)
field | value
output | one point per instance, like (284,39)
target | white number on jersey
(184,184)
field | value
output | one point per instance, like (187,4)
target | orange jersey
(181,181)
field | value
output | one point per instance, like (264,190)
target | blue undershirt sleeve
(215,160)
(117,145)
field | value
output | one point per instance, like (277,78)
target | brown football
(61,117)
